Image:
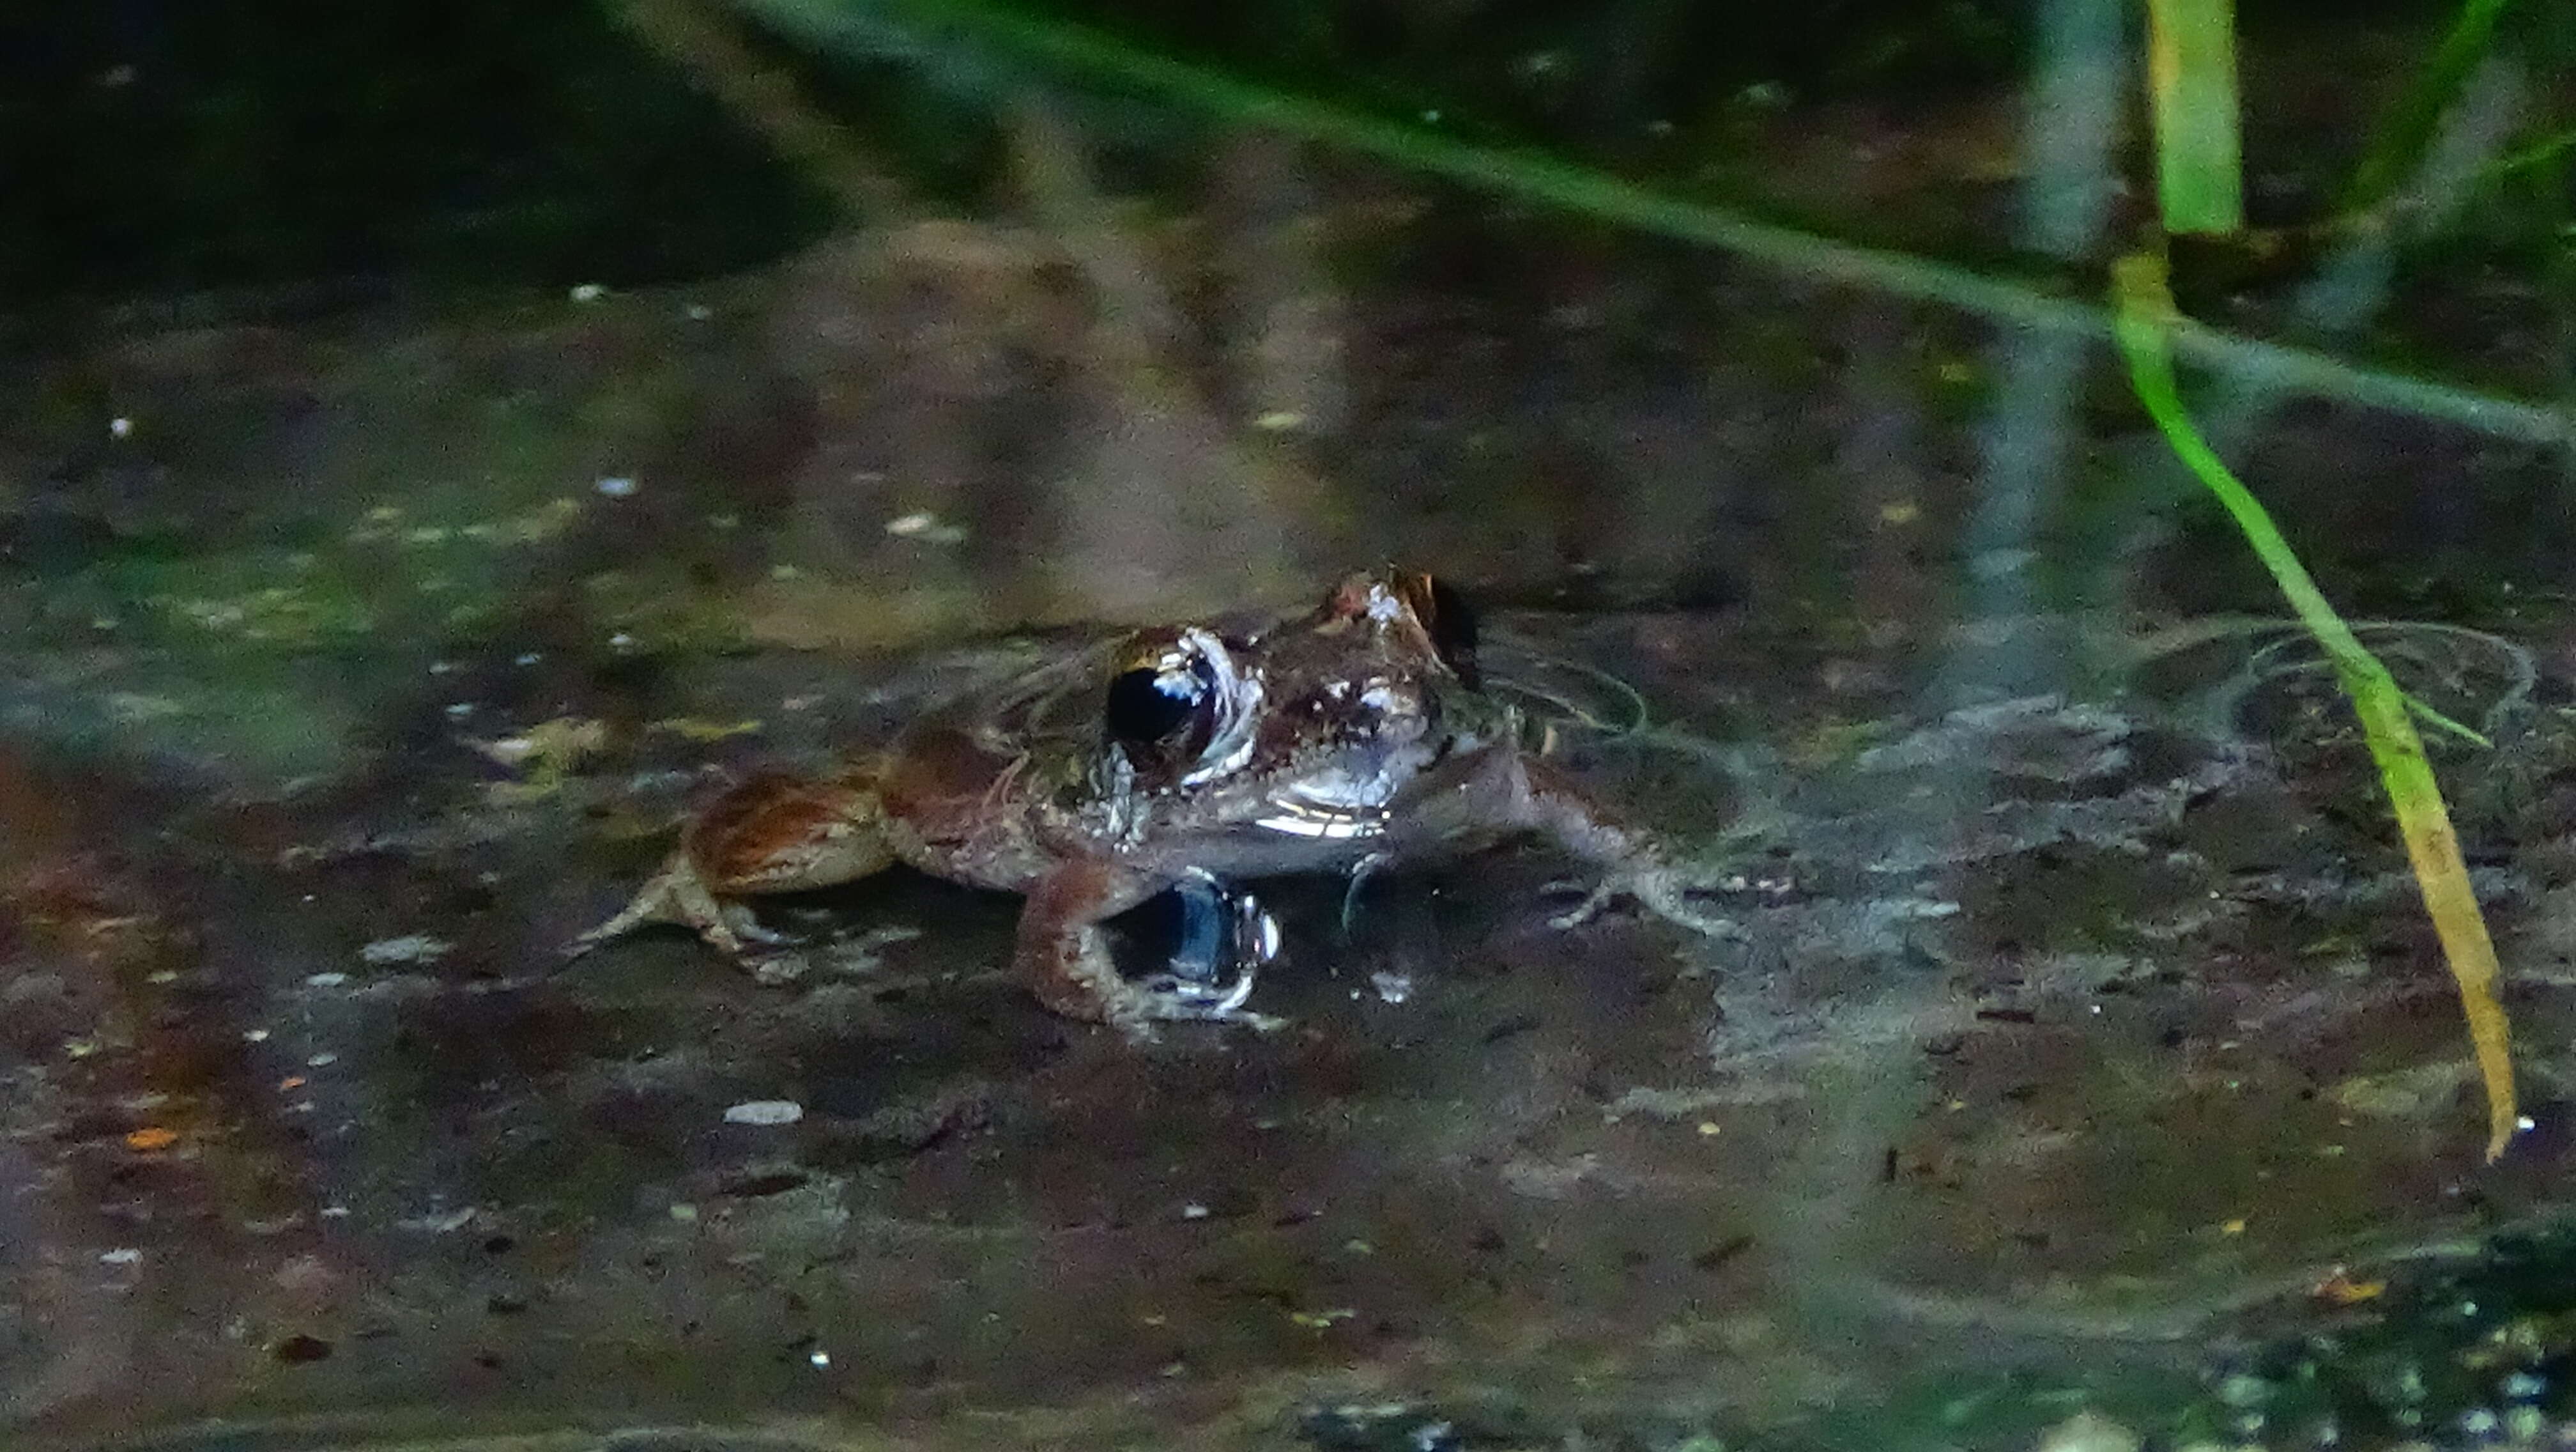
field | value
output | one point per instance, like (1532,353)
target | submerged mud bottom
(2472,1349)
(2062,1059)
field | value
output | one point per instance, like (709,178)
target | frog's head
(1347,698)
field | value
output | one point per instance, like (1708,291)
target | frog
(1358,735)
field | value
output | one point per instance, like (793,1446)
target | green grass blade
(2400,144)
(2191,74)
(860,26)
(2144,310)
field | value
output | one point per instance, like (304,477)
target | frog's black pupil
(1147,705)
(1453,629)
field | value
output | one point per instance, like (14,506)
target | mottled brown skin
(1354,735)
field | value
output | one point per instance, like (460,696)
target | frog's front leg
(771,834)
(1063,953)
(1502,791)
(1633,863)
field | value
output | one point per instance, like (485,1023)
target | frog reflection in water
(1355,735)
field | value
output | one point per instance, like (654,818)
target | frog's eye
(1151,704)
(1449,619)
(1182,706)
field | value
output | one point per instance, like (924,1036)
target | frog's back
(967,789)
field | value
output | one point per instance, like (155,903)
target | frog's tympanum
(1355,735)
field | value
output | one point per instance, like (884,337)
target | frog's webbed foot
(771,834)
(1661,889)
(1633,864)
(1170,997)
(678,895)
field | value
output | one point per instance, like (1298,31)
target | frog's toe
(1585,911)
(1663,891)
(1183,1010)
(1669,902)
(771,969)
(1173,996)
(746,928)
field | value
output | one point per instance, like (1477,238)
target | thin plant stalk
(2144,310)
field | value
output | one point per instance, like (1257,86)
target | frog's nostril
(1451,622)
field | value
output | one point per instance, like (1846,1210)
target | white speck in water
(1392,987)
(409,948)
(1431,117)
(2525,1122)
(699,312)
(819,1359)
(441,667)
(120,427)
(459,710)
(531,658)
(326,980)
(765,1111)
(335,1212)
(617,486)
(588,292)
(1194,1211)
(122,1255)
(684,1212)
(621,641)
(254,1036)
(321,1061)
(925,527)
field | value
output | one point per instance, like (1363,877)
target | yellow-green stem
(2144,308)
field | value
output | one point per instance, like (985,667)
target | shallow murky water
(2076,1046)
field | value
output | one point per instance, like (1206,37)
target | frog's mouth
(1336,806)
